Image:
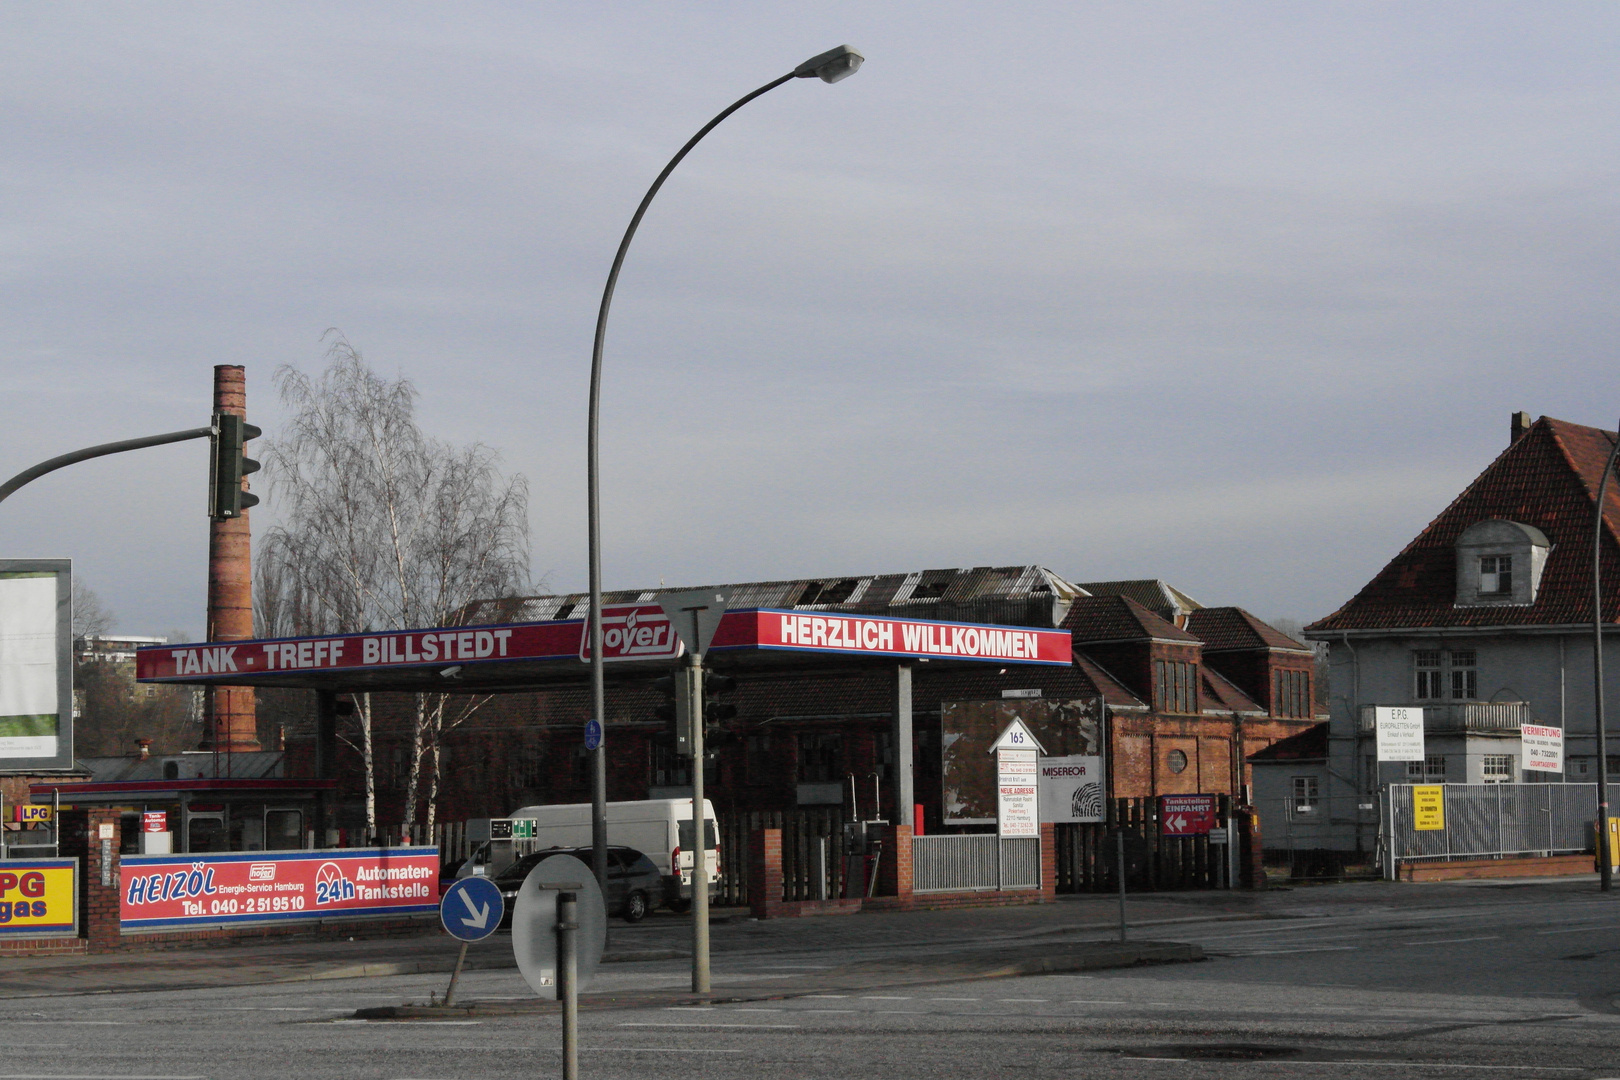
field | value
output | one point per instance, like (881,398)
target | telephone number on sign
(253,905)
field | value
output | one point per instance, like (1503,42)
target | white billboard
(36,665)
(1072,788)
(1543,747)
(1400,733)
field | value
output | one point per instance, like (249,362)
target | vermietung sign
(1543,747)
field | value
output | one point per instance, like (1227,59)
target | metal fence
(1486,820)
(1088,859)
(974,862)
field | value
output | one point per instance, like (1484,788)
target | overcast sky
(1235,295)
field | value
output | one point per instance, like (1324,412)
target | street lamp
(1605,863)
(830,66)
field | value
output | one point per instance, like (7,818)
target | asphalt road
(1387,981)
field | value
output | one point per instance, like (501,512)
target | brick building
(1187,692)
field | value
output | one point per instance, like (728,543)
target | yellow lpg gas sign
(1428,807)
(37,896)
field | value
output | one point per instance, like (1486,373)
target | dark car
(634,885)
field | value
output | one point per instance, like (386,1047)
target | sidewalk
(884,942)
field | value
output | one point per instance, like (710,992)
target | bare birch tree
(382,528)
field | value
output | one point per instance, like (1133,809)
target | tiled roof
(1221,696)
(1226,628)
(1009,595)
(1114,693)
(1310,744)
(1160,597)
(1119,618)
(1548,478)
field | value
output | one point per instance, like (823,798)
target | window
(1497,768)
(1464,684)
(1291,695)
(1426,662)
(1176,760)
(1495,574)
(1174,686)
(1438,675)
(757,770)
(1432,767)
(821,757)
(1306,796)
(1414,770)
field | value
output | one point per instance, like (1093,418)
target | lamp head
(832,65)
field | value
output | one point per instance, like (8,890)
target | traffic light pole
(700,845)
(29,475)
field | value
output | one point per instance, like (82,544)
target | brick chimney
(1520,424)
(229,722)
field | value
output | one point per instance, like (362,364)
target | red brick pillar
(98,896)
(1048,863)
(765,872)
(229,718)
(894,868)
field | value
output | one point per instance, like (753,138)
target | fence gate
(1436,822)
(975,861)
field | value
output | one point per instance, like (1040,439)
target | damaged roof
(1231,628)
(1119,618)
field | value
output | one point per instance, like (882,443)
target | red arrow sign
(1186,815)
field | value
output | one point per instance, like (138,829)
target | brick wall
(98,889)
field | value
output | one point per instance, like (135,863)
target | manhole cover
(1216,1052)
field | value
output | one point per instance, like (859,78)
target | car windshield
(514,874)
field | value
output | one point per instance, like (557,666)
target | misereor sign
(174,892)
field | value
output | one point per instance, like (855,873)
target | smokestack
(146,748)
(1520,425)
(229,722)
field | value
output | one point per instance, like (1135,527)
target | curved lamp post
(1605,863)
(830,67)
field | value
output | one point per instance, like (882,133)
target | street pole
(102,450)
(1605,862)
(830,67)
(568,980)
(700,846)
(1121,836)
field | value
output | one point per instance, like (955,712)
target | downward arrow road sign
(472,909)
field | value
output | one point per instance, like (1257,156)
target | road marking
(947,998)
(880,997)
(689,1008)
(1293,952)
(821,1011)
(1576,930)
(823,995)
(1091,1001)
(1458,941)
(413,1023)
(749,1009)
(1004,999)
(762,1027)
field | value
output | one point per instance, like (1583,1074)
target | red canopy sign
(631,632)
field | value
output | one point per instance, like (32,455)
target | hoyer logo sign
(633,632)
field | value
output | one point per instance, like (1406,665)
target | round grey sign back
(534,923)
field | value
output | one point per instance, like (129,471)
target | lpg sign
(37,896)
(633,632)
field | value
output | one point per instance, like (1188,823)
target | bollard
(1121,837)
(568,981)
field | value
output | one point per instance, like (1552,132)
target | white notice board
(1400,733)
(1543,747)
(1016,784)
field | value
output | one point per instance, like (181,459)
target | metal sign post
(471,910)
(696,615)
(559,928)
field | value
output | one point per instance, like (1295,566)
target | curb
(1120,956)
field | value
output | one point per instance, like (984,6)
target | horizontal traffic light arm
(28,475)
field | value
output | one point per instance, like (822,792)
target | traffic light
(228,466)
(715,711)
(674,710)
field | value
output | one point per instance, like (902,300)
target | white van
(660,828)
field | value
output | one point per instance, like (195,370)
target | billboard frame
(62,761)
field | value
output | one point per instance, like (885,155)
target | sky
(1235,295)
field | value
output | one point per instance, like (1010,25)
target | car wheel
(635,907)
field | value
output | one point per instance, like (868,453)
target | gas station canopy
(518,656)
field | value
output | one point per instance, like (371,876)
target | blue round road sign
(593,734)
(472,908)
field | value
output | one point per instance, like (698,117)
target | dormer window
(1496,575)
(1499,563)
